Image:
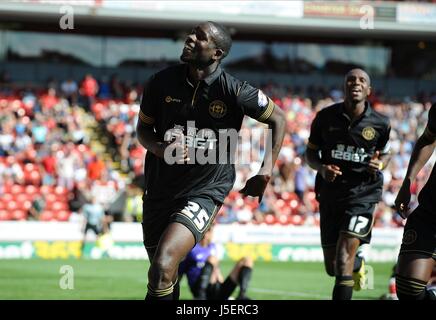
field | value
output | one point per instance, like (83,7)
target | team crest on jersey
(368,133)
(262,99)
(217,109)
(409,237)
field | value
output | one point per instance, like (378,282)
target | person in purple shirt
(205,279)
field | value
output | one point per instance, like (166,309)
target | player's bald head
(357,86)
(221,36)
(357,72)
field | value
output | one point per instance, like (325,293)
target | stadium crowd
(48,170)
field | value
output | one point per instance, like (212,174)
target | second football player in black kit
(417,257)
(348,146)
(184,111)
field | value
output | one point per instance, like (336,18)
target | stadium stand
(50,156)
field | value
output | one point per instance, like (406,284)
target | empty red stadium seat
(270,219)
(31,190)
(296,220)
(25,205)
(295,206)
(34,177)
(283,219)
(57,206)
(19,215)
(280,203)
(61,190)
(50,198)
(46,189)
(294,203)
(62,215)
(285,195)
(11,205)
(5,215)
(17,189)
(46,216)
(293,196)
(61,197)
(7,197)
(311,195)
(7,188)
(21,197)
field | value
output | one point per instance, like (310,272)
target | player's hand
(403,199)
(330,171)
(255,186)
(177,150)
(180,151)
(375,164)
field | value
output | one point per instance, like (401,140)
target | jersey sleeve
(430,130)
(383,144)
(147,112)
(254,103)
(315,138)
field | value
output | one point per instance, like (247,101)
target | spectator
(93,213)
(37,207)
(37,128)
(88,90)
(70,89)
(133,209)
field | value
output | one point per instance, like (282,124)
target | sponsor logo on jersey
(349,153)
(169,99)
(194,138)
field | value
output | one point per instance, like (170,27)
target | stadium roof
(251,19)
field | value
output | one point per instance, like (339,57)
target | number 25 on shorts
(197,215)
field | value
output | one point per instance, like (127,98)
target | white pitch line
(289,293)
(281,293)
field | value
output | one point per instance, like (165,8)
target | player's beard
(196,60)
(355,99)
(187,56)
(352,102)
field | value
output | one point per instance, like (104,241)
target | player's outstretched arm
(255,186)
(421,153)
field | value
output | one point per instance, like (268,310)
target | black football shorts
(419,236)
(355,219)
(195,213)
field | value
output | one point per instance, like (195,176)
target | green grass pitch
(112,279)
